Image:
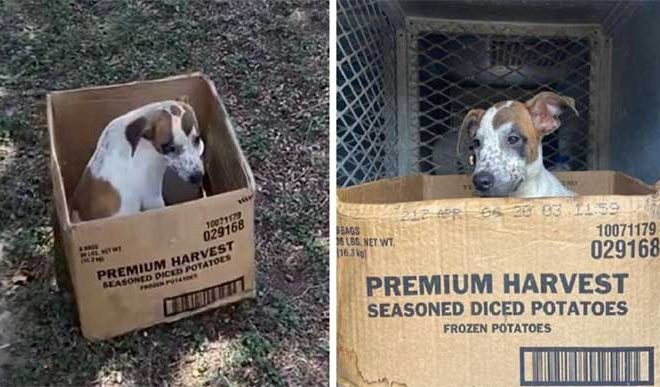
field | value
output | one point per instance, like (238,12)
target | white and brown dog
(125,173)
(506,143)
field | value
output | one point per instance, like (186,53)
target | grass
(269,60)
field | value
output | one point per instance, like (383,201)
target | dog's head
(506,139)
(173,131)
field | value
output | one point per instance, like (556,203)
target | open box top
(426,187)
(77,118)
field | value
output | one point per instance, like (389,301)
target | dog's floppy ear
(545,109)
(470,124)
(155,127)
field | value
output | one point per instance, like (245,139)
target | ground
(269,60)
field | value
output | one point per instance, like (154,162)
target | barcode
(578,366)
(200,298)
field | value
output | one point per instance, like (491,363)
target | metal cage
(406,82)
(366,105)
(456,66)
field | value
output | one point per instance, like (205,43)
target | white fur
(509,168)
(540,182)
(138,176)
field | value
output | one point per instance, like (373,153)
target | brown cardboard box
(162,265)
(436,289)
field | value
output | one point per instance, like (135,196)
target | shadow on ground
(269,60)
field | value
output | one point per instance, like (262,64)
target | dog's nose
(196,178)
(483,181)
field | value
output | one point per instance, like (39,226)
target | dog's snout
(483,181)
(196,178)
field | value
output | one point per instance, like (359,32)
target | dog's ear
(471,125)
(134,132)
(155,127)
(545,109)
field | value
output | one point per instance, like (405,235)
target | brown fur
(500,104)
(156,127)
(539,107)
(534,119)
(470,124)
(94,198)
(184,98)
(471,121)
(160,130)
(134,132)
(188,120)
(518,114)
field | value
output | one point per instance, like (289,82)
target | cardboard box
(161,265)
(436,289)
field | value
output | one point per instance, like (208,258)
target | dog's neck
(540,182)
(134,166)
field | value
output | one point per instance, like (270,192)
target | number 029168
(626,240)
(223,226)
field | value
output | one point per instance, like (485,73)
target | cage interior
(409,71)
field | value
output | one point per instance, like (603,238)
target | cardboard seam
(247,171)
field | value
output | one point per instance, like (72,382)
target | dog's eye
(169,148)
(196,140)
(476,143)
(513,139)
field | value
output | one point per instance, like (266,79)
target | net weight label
(92,253)
(626,241)
(351,244)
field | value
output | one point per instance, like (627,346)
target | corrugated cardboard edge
(348,363)
(197,74)
(56,175)
(248,294)
(362,210)
(247,170)
(59,195)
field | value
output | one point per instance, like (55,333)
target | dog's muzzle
(483,181)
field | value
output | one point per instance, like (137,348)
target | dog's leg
(153,197)
(153,202)
(152,191)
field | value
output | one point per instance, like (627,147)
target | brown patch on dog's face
(94,198)
(160,130)
(156,127)
(521,124)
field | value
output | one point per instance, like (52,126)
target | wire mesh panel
(366,98)
(458,66)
